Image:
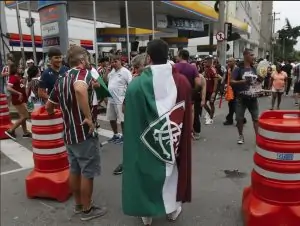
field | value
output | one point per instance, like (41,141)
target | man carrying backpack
(247,85)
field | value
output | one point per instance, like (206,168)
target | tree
(287,39)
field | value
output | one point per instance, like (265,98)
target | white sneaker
(206,116)
(209,122)
(241,139)
(196,136)
(147,220)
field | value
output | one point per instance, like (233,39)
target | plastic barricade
(50,176)
(274,197)
(5,120)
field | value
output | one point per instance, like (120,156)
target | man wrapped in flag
(157,140)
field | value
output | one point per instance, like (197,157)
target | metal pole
(95,33)
(152,15)
(221,45)
(20,34)
(32,32)
(127,31)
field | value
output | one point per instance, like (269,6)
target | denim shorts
(84,158)
(246,103)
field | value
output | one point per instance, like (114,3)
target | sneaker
(118,170)
(119,140)
(196,136)
(11,134)
(77,209)
(296,104)
(27,135)
(93,213)
(114,138)
(209,122)
(228,123)
(241,139)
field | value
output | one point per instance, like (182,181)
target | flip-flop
(173,216)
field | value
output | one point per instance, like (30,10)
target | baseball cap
(29,61)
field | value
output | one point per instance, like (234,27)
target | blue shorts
(84,158)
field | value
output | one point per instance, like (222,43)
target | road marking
(18,154)
(101,132)
(23,156)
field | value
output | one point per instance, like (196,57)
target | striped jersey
(101,70)
(63,94)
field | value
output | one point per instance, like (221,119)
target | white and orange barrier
(5,120)
(274,197)
(49,178)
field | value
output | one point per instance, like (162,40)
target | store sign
(43,3)
(165,21)
(48,42)
(50,29)
(50,14)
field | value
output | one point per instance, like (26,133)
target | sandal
(173,216)
(147,221)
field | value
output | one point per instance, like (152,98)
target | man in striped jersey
(73,93)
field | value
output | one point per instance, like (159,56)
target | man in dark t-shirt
(51,74)
(287,68)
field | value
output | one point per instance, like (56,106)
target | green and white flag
(101,91)
(153,126)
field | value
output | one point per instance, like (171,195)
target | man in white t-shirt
(118,79)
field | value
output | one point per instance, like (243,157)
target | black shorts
(297,87)
(208,97)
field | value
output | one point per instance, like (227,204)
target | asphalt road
(216,195)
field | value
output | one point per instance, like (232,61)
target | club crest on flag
(162,136)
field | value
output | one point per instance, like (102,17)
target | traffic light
(229,30)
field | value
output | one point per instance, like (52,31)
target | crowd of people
(155,99)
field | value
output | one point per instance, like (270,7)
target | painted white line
(102,118)
(23,156)
(14,171)
(17,153)
(101,132)
(105,133)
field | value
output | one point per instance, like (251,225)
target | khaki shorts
(114,112)
(22,110)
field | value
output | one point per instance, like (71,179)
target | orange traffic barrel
(274,196)
(5,121)
(49,178)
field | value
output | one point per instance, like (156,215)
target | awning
(140,12)
(206,9)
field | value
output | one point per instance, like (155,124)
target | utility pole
(30,23)
(273,15)
(221,46)
(21,35)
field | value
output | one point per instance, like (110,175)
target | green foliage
(287,39)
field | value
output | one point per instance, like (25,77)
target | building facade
(257,15)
